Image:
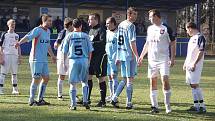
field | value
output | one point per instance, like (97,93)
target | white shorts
(154,67)
(195,76)
(60,68)
(10,64)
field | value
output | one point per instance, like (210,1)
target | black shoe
(43,102)
(154,110)
(60,98)
(115,104)
(72,108)
(101,104)
(193,108)
(34,103)
(86,105)
(129,106)
(202,110)
(80,102)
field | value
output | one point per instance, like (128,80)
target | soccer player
(127,56)
(58,45)
(193,66)
(111,48)
(40,37)
(159,38)
(98,64)
(79,49)
(10,56)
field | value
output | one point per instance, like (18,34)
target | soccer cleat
(15,92)
(86,105)
(34,103)
(108,99)
(168,109)
(115,104)
(154,110)
(60,98)
(101,104)
(193,108)
(43,102)
(80,102)
(72,108)
(129,106)
(202,110)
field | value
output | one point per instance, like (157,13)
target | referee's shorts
(98,65)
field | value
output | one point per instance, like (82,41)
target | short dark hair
(45,17)
(67,22)
(96,16)
(76,23)
(130,10)
(191,25)
(112,20)
(155,12)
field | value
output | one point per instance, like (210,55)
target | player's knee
(73,86)
(84,84)
(194,86)
(62,77)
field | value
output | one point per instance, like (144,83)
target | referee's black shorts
(98,65)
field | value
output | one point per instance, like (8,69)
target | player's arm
(134,49)
(143,53)
(172,45)
(60,38)
(201,47)
(28,37)
(173,52)
(51,54)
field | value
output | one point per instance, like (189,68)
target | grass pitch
(15,108)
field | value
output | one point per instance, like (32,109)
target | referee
(98,64)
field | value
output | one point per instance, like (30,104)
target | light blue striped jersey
(40,38)
(126,34)
(77,45)
(111,44)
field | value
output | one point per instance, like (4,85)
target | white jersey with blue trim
(111,44)
(77,45)
(60,54)
(9,42)
(126,34)
(195,44)
(158,40)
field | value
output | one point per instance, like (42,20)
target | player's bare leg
(60,86)
(42,89)
(166,92)
(33,89)
(153,95)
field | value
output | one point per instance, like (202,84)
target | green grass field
(15,108)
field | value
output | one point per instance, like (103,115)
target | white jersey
(158,39)
(111,44)
(195,44)
(10,39)
(60,54)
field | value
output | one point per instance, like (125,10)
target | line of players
(80,56)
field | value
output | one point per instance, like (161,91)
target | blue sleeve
(132,33)
(65,47)
(201,43)
(90,46)
(32,34)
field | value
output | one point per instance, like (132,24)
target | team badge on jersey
(16,37)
